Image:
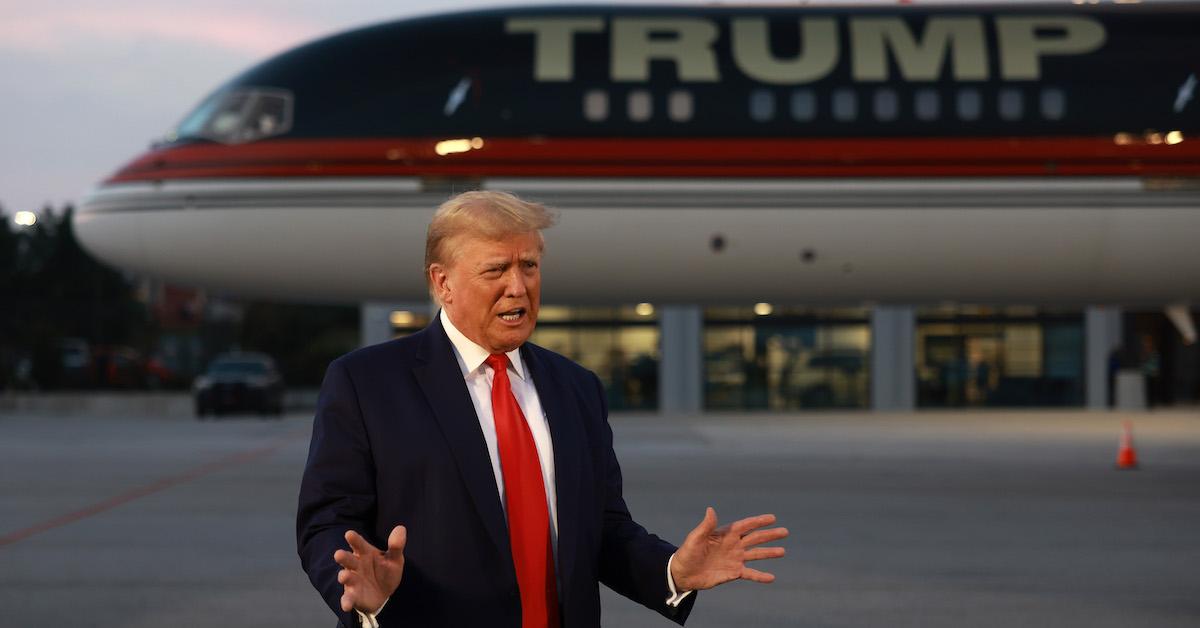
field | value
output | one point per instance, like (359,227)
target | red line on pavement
(149,489)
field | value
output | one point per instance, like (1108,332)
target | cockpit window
(238,115)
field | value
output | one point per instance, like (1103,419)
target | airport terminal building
(769,357)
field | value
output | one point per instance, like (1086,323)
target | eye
(531,264)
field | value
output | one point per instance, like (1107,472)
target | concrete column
(681,365)
(1102,329)
(893,358)
(374,326)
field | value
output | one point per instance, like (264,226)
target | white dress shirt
(478,376)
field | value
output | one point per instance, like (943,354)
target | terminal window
(618,344)
(989,358)
(792,359)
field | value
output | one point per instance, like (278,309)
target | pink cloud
(236,30)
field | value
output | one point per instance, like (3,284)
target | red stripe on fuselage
(669,157)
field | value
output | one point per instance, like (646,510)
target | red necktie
(528,519)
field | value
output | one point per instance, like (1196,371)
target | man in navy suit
(483,464)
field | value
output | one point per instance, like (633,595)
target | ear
(440,280)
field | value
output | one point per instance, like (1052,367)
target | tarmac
(932,519)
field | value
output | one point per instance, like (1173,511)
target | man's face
(491,289)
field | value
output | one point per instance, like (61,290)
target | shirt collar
(470,355)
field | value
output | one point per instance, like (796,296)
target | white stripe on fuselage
(1070,241)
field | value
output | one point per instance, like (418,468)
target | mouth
(513,315)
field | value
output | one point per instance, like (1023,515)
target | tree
(55,290)
(303,339)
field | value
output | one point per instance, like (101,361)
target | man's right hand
(370,576)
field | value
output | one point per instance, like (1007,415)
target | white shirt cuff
(676,596)
(367,620)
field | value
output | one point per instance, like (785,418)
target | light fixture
(1174,137)
(763,309)
(402,318)
(25,218)
(644,309)
(446,147)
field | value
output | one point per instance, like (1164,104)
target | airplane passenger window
(1054,103)
(639,106)
(679,106)
(886,104)
(926,104)
(595,105)
(845,105)
(762,105)
(804,105)
(969,104)
(1010,104)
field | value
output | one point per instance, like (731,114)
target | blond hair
(482,213)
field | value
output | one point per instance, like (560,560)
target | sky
(85,86)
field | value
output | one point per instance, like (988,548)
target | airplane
(700,154)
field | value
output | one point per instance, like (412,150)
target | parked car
(75,360)
(239,382)
(118,366)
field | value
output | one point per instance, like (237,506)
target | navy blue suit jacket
(396,441)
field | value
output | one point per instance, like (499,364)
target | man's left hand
(710,555)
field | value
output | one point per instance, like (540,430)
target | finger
(347,604)
(706,526)
(346,559)
(397,540)
(742,526)
(755,575)
(764,536)
(359,544)
(343,576)
(761,553)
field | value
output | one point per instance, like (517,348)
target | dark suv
(239,382)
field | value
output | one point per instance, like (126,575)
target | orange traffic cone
(1126,456)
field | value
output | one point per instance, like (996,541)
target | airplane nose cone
(109,231)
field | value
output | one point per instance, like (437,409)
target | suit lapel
(570,449)
(442,382)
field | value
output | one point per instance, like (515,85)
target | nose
(514,283)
